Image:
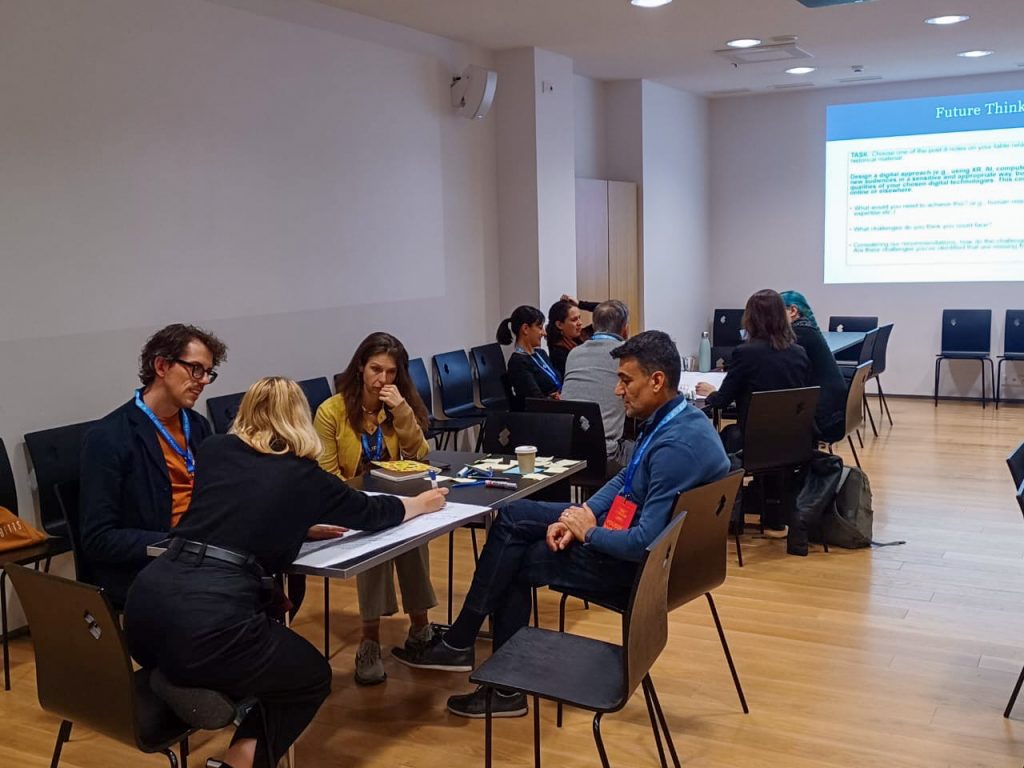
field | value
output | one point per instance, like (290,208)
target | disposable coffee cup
(526,455)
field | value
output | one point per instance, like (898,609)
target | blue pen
(433,479)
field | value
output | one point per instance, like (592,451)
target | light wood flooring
(900,657)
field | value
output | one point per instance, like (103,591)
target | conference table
(839,341)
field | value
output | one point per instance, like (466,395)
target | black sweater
(757,367)
(527,379)
(263,504)
(831,414)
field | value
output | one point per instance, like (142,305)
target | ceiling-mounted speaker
(473,91)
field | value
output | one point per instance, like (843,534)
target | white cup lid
(526,449)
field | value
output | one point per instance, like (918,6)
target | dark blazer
(756,367)
(527,379)
(830,418)
(125,496)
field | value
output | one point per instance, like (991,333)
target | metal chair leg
(171,757)
(992,372)
(937,361)
(856,458)
(739,550)
(871,417)
(536,608)
(63,735)
(476,549)
(599,742)
(561,628)
(885,403)
(655,727)
(999,379)
(1013,696)
(860,438)
(327,618)
(183,752)
(728,656)
(488,721)
(664,723)
(536,731)
(3,620)
(451,572)
(983,384)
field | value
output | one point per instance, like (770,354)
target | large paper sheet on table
(356,544)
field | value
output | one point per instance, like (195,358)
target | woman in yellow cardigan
(378,415)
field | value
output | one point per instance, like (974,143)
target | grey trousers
(376,587)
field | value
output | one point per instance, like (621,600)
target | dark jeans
(516,558)
(204,625)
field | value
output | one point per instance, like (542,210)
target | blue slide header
(912,117)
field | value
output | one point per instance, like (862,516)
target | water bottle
(704,353)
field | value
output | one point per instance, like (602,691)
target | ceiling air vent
(764,53)
(728,92)
(792,86)
(860,79)
(826,3)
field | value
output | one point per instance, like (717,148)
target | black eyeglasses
(196,370)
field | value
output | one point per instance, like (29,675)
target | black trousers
(203,624)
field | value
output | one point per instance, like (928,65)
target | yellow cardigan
(342,448)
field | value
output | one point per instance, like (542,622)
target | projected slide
(925,190)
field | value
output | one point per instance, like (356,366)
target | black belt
(210,552)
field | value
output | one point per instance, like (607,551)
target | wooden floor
(899,657)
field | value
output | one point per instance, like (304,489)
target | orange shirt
(181,480)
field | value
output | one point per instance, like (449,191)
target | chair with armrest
(489,369)
(222,410)
(34,554)
(588,439)
(966,335)
(699,565)
(848,323)
(592,674)
(865,356)
(441,430)
(455,384)
(1013,344)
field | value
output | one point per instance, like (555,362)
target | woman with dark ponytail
(565,332)
(530,373)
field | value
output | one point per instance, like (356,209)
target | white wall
(767,165)
(289,175)
(589,123)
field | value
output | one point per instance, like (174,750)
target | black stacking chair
(878,359)
(865,356)
(489,370)
(591,674)
(84,674)
(588,440)
(966,335)
(455,383)
(1015,463)
(1013,344)
(855,408)
(35,554)
(778,438)
(222,410)
(699,564)
(859,323)
(441,430)
(725,334)
(316,391)
(550,432)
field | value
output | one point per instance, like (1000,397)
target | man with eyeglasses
(138,462)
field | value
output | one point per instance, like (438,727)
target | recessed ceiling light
(744,42)
(974,54)
(649,3)
(799,70)
(943,21)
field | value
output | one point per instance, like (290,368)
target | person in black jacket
(530,372)
(830,417)
(564,332)
(198,612)
(138,462)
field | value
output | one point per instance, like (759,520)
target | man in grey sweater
(591,374)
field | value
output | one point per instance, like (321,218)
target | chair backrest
(83,670)
(866,353)
(1013,332)
(1015,463)
(316,390)
(56,456)
(725,328)
(855,398)
(967,330)
(67,495)
(645,624)
(455,383)
(588,440)
(489,367)
(699,563)
(8,490)
(222,410)
(421,380)
(550,432)
(779,429)
(881,350)
(857,323)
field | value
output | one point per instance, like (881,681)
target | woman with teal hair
(830,418)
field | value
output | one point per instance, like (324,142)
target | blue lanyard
(186,452)
(541,363)
(638,453)
(602,335)
(378,451)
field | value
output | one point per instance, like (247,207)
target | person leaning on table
(378,415)
(198,614)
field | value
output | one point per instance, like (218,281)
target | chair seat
(472,412)
(608,602)
(1012,356)
(52,547)
(964,355)
(158,727)
(579,671)
(453,425)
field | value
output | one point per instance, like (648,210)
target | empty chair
(551,433)
(859,323)
(725,334)
(316,391)
(455,383)
(56,459)
(854,410)
(84,674)
(865,356)
(878,362)
(1013,344)
(30,555)
(440,429)
(966,335)
(489,370)
(588,440)
(222,410)
(592,674)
